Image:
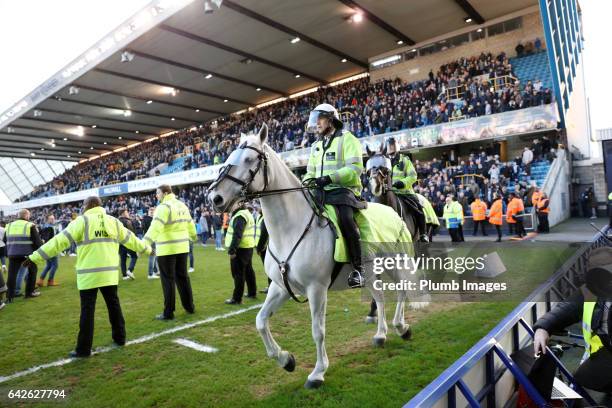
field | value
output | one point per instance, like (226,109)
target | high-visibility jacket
(543,206)
(248,235)
(404,171)
(97,236)
(453,214)
(592,341)
(515,206)
(430,214)
(18,238)
(496,212)
(535,198)
(171,228)
(479,210)
(258,223)
(339,158)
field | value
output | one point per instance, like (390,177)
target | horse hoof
(378,341)
(407,334)
(371,319)
(290,366)
(312,385)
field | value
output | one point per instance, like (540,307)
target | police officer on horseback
(335,166)
(404,176)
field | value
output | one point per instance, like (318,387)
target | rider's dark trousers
(350,231)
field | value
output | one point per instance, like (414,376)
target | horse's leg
(401,328)
(317,296)
(275,298)
(379,306)
(371,317)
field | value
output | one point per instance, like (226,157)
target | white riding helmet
(323,110)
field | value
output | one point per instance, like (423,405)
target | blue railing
(443,390)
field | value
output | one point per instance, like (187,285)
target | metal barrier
(495,380)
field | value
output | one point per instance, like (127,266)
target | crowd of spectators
(465,88)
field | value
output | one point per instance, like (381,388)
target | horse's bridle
(262,162)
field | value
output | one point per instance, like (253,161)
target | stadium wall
(419,67)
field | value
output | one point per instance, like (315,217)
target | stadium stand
(462,89)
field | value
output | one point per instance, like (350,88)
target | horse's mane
(275,156)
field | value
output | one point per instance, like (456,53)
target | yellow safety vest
(171,228)
(341,161)
(453,214)
(591,340)
(258,222)
(97,236)
(404,171)
(18,240)
(248,235)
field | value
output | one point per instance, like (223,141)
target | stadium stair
(532,67)
(539,170)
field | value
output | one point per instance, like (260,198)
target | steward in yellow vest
(240,241)
(171,230)
(592,305)
(22,238)
(97,236)
(404,176)
(335,166)
(453,215)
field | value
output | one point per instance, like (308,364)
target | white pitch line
(138,340)
(196,346)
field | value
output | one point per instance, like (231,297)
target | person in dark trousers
(96,267)
(128,273)
(591,304)
(46,234)
(240,241)
(146,223)
(21,240)
(542,210)
(261,242)
(171,231)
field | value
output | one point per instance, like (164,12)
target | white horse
(254,169)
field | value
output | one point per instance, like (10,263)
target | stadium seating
(532,67)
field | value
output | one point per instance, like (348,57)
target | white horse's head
(244,171)
(378,170)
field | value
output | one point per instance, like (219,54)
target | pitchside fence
(486,375)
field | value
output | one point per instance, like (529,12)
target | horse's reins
(244,194)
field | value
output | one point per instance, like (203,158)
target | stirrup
(423,238)
(356,279)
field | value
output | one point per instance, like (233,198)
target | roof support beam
(99,105)
(39,173)
(180,88)
(36,149)
(379,22)
(44,140)
(50,167)
(206,72)
(11,180)
(58,134)
(47,154)
(21,170)
(142,98)
(471,11)
(130,122)
(236,51)
(281,27)
(59,122)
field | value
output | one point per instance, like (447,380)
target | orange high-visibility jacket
(479,210)
(496,212)
(515,206)
(543,206)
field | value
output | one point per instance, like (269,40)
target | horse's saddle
(377,224)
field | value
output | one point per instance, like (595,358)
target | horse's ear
(263,133)
(368,151)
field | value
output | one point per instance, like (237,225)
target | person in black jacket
(146,223)
(595,295)
(17,253)
(124,217)
(261,246)
(47,232)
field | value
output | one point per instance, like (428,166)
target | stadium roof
(190,67)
